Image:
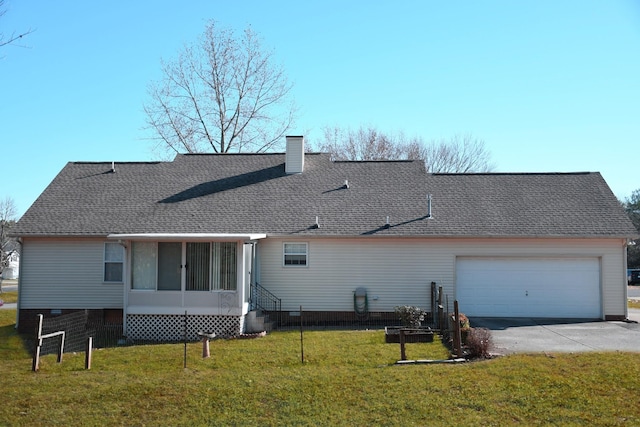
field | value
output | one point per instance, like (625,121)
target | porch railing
(265,301)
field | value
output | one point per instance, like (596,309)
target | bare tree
(13,37)
(7,220)
(459,154)
(362,144)
(221,94)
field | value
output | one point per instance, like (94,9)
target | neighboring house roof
(250,193)
(11,246)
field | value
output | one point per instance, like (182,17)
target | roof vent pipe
(387,224)
(429,206)
(317,224)
(113,167)
(294,157)
(346,183)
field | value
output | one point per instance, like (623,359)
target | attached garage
(529,287)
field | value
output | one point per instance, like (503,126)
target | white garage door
(529,287)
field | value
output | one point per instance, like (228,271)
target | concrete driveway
(527,335)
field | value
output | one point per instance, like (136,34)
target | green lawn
(5,296)
(348,378)
(9,296)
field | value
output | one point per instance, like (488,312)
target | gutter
(187,236)
(444,236)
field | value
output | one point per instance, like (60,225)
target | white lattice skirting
(161,327)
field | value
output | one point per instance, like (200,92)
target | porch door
(169,266)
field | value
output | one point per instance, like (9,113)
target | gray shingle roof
(529,204)
(250,193)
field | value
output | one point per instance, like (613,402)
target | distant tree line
(458,154)
(7,221)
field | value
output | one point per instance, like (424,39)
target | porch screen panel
(198,266)
(169,265)
(143,265)
(225,266)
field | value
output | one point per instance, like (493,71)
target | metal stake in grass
(185,339)
(301,337)
(88,353)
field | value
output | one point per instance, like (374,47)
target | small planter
(392,334)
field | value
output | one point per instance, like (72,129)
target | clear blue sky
(550,86)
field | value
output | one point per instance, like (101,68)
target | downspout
(255,269)
(249,245)
(126,285)
(18,305)
(241,274)
(253,278)
(625,245)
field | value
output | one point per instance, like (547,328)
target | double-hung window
(113,262)
(296,254)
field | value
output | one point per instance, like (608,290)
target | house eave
(192,237)
(451,236)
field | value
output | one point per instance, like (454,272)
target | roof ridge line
(105,162)
(511,173)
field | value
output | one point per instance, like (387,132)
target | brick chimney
(294,157)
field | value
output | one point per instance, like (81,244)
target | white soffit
(187,236)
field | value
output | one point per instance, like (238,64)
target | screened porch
(203,274)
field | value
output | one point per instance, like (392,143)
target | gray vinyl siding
(66,274)
(399,271)
(394,272)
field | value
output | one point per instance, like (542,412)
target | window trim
(105,261)
(305,253)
